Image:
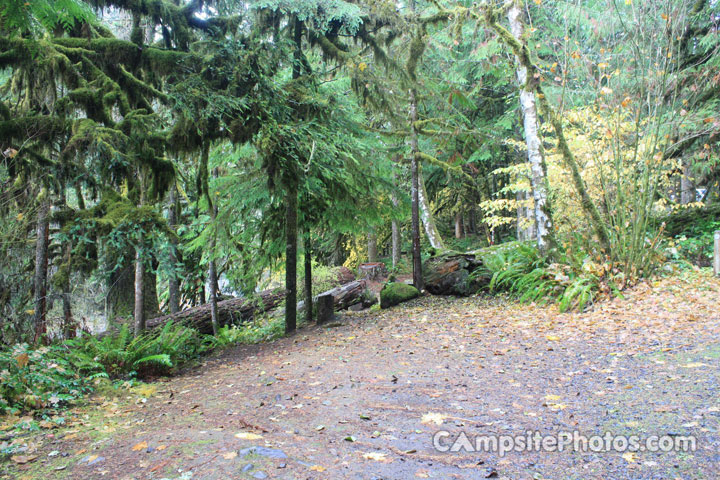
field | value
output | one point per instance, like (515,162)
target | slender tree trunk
(414,195)
(41,267)
(372,248)
(538,177)
(396,239)
(69,325)
(212,290)
(212,267)
(522,53)
(427,216)
(291,260)
(458,225)
(687,189)
(139,313)
(308,280)
(173,283)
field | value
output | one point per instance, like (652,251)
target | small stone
(248,467)
(263,452)
(259,475)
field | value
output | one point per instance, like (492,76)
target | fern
(160,359)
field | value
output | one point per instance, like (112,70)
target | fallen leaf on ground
(22,459)
(140,446)
(436,418)
(377,456)
(629,457)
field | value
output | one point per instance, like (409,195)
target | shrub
(45,377)
(153,353)
(324,278)
(522,272)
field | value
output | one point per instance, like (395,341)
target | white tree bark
(427,216)
(538,180)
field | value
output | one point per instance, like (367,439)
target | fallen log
(449,273)
(343,296)
(234,310)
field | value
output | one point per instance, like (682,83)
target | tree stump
(374,271)
(325,308)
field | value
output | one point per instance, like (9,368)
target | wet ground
(363,398)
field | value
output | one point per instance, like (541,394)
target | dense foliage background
(162,154)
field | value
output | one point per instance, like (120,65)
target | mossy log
(229,311)
(449,273)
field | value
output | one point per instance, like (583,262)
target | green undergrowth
(49,378)
(521,271)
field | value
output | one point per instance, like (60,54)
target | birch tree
(538,172)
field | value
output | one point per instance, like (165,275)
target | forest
(302,239)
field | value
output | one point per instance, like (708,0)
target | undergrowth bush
(153,353)
(48,377)
(525,274)
(45,377)
(324,278)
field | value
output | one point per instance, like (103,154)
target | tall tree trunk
(414,194)
(69,325)
(687,189)
(538,178)
(525,218)
(308,280)
(522,54)
(173,283)
(396,239)
(139,312)
(291,260)
(427,216)
(212,268)
(372,248)
(458,225)
(41,267)
(212,290)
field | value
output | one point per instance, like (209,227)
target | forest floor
(361,399)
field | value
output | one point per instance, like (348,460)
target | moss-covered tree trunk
(428,218)
(414,195)
(173,282)
(212,270)
(139,301)
(41,267)
(396,238)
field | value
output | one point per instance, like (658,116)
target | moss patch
(394,293)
